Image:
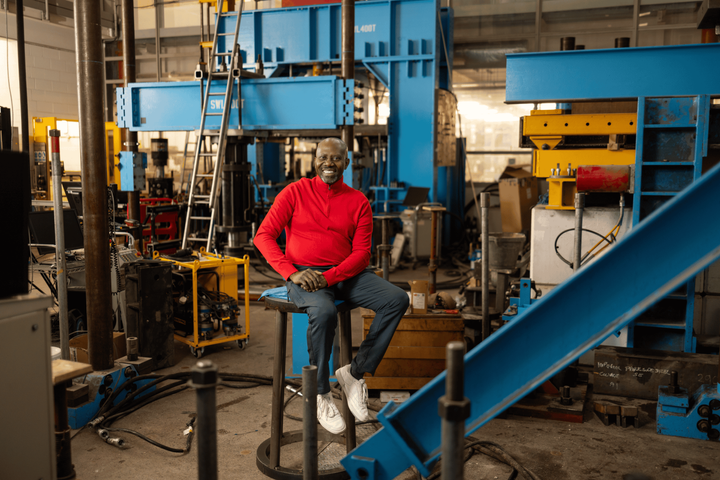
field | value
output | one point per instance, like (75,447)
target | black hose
(557,252)
(494,451)
(134,401)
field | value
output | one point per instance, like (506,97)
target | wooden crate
(417,351)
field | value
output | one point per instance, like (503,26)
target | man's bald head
(334,141)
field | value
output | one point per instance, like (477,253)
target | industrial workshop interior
(367,240)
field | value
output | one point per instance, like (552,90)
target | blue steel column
(549,333)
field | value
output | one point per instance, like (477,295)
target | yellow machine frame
(40,132)
(226,268)
(548,128)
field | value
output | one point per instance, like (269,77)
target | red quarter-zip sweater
(324,225)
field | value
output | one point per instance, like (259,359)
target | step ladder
(200,204)
(186,153)
(672,139)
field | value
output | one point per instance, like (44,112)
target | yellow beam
(544,160)
(554,111)
(608,124)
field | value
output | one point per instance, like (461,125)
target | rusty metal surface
(638,373)
(90,65)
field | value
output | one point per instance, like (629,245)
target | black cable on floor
(492,450)
(110,413)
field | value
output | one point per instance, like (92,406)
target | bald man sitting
(328,226)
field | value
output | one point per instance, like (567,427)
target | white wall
(50,69)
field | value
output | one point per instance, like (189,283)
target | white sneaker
(328,415)
(356,393)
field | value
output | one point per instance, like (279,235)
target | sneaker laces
(328,407)
(364,391)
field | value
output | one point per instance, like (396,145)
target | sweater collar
(336,187)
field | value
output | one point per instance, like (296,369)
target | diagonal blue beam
(657,256)
(680,70)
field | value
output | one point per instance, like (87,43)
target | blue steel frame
(549,332)
(268,104)
(401,42)
(671,142)
(613,73)
(594,75)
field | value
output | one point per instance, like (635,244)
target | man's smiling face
(330,160)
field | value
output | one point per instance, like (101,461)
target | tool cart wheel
(242,344)
(198,352)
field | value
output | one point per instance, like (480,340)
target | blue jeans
(365,290)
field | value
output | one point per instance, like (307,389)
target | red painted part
(166,223)
(603,178)
(54,144)
(304,3)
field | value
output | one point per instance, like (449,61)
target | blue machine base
(300,355)
(80,416)
(680,415)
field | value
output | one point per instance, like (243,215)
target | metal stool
(268,453)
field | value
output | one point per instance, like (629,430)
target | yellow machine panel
(548,129)
(607,124)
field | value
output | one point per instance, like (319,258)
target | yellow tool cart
(205,295)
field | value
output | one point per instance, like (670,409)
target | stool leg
(278,395)
(346,358)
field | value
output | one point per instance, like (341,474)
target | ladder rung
(214,94)
(200,218)
(202,196)
(205,175)
(225,34)
(226,54)
(204,202)
(197,239)
(213,114)
(229,14)
(207,154)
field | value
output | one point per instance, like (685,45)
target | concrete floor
(553,450)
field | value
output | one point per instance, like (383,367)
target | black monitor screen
(73,192)
(42,230)
(415,196)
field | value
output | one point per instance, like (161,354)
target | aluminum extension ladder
(231,71)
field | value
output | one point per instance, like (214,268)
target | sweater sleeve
(266,237)
(359,258)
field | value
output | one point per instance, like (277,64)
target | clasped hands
(309,280)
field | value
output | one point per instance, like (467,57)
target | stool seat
(286,306)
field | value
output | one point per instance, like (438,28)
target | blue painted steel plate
(618,73)
(268,104)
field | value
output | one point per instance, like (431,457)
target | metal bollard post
(579,207)
(310,430)
(453,408)
(485,240)
(60,245)
(385,250)
(433,265)
(204,379)
(132,348)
